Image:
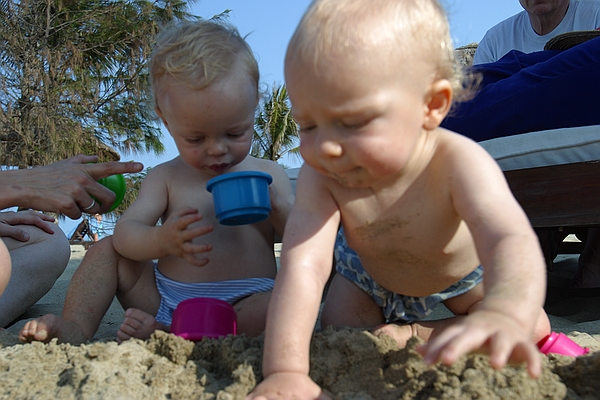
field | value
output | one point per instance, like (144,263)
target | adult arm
(65,187)
(483,54)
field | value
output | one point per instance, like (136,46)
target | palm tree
(73,78)
(275,131)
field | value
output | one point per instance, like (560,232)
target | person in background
(96,227)
(540,21)
(426,214)
(525,89)
(33,251)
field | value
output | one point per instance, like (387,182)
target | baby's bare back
(238,252)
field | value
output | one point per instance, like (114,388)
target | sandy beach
(347,363)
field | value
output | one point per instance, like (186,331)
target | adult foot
(50,326)
(138,324)
(588,266)
(587,276)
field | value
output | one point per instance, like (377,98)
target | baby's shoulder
(267,166)
(259,164)
(452,144)
(169,170)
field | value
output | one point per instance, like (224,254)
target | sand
(347,363)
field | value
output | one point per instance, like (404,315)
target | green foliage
(275,131)
(73,78)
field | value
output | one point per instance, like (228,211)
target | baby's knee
(252,313)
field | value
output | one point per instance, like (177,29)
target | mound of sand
(346,363)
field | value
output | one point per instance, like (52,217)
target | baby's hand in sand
(490,332)
(287,385)
(138,324)
(178,236)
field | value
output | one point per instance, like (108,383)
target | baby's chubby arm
(514,281)
(138,238)
(306,265)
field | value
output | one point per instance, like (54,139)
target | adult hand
(64,187)
(10,221)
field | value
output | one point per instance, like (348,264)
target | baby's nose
(216,148)
(331,148)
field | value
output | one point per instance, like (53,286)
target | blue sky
(268,25)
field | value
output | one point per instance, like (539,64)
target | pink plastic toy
(558,343)
(201,317)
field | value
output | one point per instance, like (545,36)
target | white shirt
(516,32)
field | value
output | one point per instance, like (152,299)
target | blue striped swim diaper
(173,292)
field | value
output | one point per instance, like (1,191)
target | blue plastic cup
(241,198)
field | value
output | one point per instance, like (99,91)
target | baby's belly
(220,268)
(421,277)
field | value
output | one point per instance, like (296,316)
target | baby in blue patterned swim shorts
(424,211)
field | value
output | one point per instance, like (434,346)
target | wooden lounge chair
(554,175)
(80,233)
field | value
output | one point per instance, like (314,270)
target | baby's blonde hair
(199,52)
(413,28)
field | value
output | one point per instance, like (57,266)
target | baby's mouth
(219,168)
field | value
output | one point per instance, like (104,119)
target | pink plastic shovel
(559,343)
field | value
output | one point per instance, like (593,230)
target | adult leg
(36,265)
(588,270)
(103,273)
(5,267)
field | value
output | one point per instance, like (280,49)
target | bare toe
(50,326)
(587,276)
(38,329)
(400,333)
(137,324)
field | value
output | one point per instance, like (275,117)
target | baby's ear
(437,103)
(160,115)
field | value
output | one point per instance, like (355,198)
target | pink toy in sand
(559,343)
(201,317)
